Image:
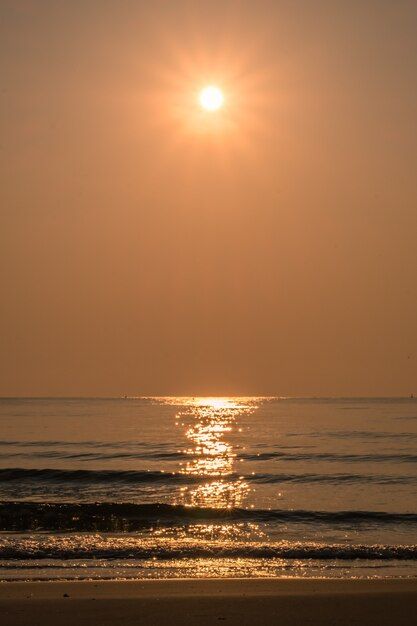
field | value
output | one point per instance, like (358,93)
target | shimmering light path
(209,423)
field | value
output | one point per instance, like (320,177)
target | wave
(176,455)
(138,548)
(60,476)
(95,456)
(93,476)
(356,434)
(329,456)
(48,443)
(112,516)
(91,450)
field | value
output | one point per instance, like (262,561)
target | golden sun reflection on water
(211,431)
(209,423)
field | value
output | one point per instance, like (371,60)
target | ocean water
(207,487)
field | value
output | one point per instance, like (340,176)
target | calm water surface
(165,487)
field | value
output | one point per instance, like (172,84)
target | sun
(211,98)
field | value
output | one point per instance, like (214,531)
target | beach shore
(287,602)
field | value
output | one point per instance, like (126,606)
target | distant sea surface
(207,487)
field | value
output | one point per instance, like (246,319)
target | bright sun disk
(211,98)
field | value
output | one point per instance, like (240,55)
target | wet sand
(288,602)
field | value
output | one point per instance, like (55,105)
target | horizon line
(410,396)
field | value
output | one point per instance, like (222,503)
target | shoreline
(188,585)
(287,601)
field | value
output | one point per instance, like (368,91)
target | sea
(194,487)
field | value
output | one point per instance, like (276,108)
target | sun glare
(211,98)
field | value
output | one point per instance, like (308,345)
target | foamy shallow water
(180,487)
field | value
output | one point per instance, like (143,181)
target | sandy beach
(288,602)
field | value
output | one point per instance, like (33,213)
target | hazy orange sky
(146,249)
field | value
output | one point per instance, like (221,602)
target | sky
(150,248)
